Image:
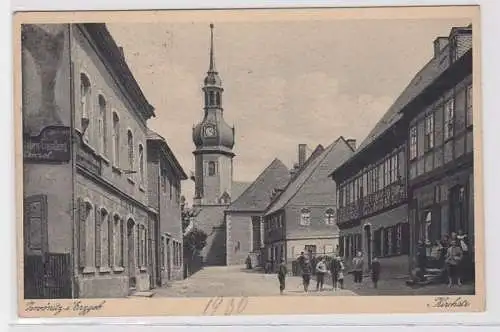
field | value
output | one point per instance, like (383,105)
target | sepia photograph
(171,160)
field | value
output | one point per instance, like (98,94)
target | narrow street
(236,281)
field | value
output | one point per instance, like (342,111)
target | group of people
(334,267)
(450,255)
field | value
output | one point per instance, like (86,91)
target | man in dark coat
(334,270)
(282,272)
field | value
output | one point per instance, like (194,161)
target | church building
(214,187)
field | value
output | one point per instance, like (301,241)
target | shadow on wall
(216,253)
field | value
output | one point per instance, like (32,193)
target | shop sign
(51,145)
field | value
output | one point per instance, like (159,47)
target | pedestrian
(453,258)
(375,268)
(340,277)
(248,262)
(357,268)
(306,274)
(320,274)
(334,271)
(421,259)
(282,273)
(465,264)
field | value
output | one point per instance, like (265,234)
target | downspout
(74,292)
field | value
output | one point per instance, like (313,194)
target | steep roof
(257,196)
(154,136)
(237,188)
(419,83)
(117,64)
(296,184)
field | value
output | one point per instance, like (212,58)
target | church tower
(214,141)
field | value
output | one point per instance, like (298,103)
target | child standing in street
(340,277)
(320,274)
(375,271)
(282,272)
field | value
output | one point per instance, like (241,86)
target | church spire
(212,69)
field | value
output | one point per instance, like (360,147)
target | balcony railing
(391,195)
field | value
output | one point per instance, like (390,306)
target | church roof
(305,174)
(257,195)
(237,188)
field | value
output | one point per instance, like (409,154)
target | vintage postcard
(249,162)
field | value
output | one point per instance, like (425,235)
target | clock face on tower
(209,131)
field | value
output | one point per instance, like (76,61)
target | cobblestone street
(236,281)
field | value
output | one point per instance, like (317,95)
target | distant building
(87,221)
(302,216)
(214,185)
(440,144)
(244,217)
(164,195)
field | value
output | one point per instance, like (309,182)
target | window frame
(429,131)
(305,217)
(413,142)
(449,119)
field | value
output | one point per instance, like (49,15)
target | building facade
(440,146)
(164,188)
(87,215)
(372,213)
(302,216)
(244,217)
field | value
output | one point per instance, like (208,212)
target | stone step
(142,294)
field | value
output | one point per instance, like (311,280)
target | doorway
(457,209)
(367,229)
(130,252)
(169,265)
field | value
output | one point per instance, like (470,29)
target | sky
(285,82)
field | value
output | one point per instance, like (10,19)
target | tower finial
(212,63)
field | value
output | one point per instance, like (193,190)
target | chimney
(121,52)
(352,143)
(302,154)
(439,44)
(294,170)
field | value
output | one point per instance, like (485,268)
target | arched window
(87,219)
(206,99)
(103,135)
(116,139)
(211,168)
(85,105)
(217,99)
(141,163)
(130,143)
(105,231)
(118,233)
(330,216)
(305,217)
(212,98)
